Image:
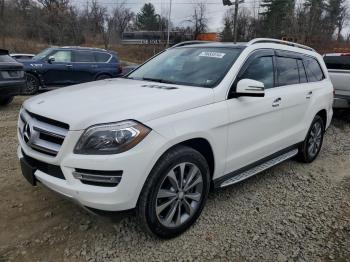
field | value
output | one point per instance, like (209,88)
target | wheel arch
(101,74)
(200,144)
(323,114)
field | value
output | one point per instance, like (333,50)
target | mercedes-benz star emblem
(26,133)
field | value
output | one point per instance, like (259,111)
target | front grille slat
(42,134)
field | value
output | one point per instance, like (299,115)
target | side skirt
(257,167)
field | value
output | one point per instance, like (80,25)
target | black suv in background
(63,66)
(12,80)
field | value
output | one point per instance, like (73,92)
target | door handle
(308,96)
(69,65)
(276,102)
(94,66)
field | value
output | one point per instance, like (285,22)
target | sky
(183,9)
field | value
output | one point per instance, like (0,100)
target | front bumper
(12,88)
(136,164)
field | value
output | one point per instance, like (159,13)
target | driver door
(254,128)
(59,72)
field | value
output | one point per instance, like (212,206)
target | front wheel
(32,85)
(310,148)
(175,193)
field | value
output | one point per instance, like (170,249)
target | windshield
(43,54)
(193,66)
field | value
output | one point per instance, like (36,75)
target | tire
(187,200)
(102,77)
(32,85)
(310,148)
(4,101)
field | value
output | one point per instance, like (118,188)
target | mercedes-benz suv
(194,117)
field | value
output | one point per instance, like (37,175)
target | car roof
(83,48)
(258,42)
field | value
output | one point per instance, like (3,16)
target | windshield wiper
(158,80)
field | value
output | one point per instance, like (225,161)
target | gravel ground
(292,212)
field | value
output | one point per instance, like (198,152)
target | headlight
(111,138)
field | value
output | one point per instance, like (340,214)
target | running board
(259,168)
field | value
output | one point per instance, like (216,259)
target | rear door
(59,72)
(84,66)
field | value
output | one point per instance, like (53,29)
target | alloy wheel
(179,195)
(315,139)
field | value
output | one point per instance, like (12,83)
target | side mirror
(249,87)
(51,59)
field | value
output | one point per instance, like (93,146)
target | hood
(114,100)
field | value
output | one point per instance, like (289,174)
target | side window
(260,69)
(101,57)
(62,56)
(302,73)
(313,70)
(337,62)
(84,57)
(287,71)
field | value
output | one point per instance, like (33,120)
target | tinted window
(84,57)
(193,66)
(62,56)
(287,71)
(6,59)
(302,73)
(313,70)
(260,69)
(101,57)
(337,62)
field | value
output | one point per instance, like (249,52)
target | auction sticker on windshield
(212,54)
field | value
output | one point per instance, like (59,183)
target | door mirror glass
(250,87)
(51,59)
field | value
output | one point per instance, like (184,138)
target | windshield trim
(241,48)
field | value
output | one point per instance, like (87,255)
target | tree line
(62,22)
(313,22)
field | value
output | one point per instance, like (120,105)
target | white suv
(194,117)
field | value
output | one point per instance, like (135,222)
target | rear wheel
(32,85)
(6,100)
(312,144)
(175,192)
(101,77)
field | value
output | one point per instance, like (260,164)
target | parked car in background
(22,56)
(194,117)
(338,65)
(63,66)
(12,79)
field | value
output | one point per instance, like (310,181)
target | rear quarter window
(313,70)
(102,57)
(341,62)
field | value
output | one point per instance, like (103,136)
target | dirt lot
(293,212)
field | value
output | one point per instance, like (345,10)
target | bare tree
(199,19)
(122,16)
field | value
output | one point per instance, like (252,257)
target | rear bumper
(12,88)
(341,102)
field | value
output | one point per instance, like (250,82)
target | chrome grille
(41,134)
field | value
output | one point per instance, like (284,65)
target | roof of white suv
(243,44)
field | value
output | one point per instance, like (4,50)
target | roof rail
(194,42)
(276,41)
